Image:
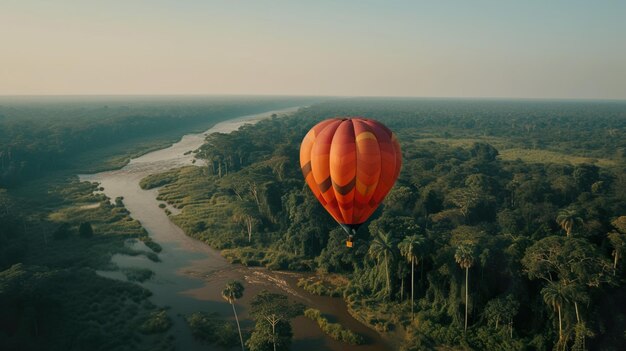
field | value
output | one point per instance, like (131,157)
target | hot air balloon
(350,164)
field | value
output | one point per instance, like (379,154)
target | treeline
(505,254)
(40,134)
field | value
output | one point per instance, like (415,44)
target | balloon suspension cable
(350,229)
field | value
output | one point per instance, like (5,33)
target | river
(191,275)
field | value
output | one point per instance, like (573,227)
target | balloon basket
(350,241)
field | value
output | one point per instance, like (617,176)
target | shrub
(157,322)
(334,330)
(320,287)
(62,232)
(85,230)
(155,247)
(209,327)
(138,274)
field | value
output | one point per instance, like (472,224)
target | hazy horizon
(562,50)
(270,96)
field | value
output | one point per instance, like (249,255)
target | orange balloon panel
(350,164)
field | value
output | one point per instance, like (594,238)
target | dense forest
(87,134)
(505,230)
(55,233)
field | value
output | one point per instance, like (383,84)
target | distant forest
(40,134)
(512,214)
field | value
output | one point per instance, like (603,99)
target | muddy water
(191,275)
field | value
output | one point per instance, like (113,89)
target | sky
(502,49)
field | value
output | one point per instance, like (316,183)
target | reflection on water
(190,276)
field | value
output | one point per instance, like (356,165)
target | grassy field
(509,152)
(497,142)
(546,156)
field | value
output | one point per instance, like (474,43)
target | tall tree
(555,295)
(382,250)
(231,293)
(273,319)
(502,310)
(247,215)
(465,199)
(410,249)
(571,260)
(464,257)
(576,294)
(618,240)
(568,265)
(272,313)
(568,219)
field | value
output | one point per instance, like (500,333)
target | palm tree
(232,292)
(382,249)
(464,256)
(555,295)
(567,219)
(576,293)
(410,249)
(618,241)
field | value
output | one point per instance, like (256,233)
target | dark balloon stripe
(345,189)
(325,185)
(307,169)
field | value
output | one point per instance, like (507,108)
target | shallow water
(191,275)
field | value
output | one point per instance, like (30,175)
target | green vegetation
(382,316)
(90,134)
(53,298)
(272,259)
(231,293)
(85,230)
(272,329)
(324,284)
(545,156)
(210,328)
(491,233)
(271,312)
(55,234)
(334,330)
(516,210)
(73,308)
(135,274)
(151,244)
(157,322)
(157,180)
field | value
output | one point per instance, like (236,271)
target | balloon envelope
(350,164)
